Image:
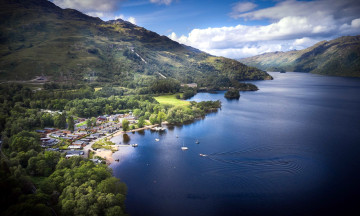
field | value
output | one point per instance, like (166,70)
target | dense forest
(38,182)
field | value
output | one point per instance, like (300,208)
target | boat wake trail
(264,165)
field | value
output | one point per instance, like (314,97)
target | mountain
(38,38)
(338,57)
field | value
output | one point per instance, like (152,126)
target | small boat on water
(134,145)
(177,136)
(158,128)
(197,142)
(117,160)
(203,155)
(184,147)
(157,140)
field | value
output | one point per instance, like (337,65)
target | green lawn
(171,100)
(81,124)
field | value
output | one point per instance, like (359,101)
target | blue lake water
(291,148)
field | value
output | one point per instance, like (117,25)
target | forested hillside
(339,57)
(38,38)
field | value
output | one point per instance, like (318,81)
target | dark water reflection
(291,148)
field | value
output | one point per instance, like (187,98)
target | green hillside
(339,57)
(38,38)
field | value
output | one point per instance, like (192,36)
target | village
(79,142)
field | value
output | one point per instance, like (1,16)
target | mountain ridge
(338,57)
(39,38)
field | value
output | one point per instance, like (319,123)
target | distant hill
(339,57)
(38,38)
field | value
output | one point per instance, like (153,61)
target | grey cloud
(89,6)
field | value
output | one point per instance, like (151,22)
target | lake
(291,148)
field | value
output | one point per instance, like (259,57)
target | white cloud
(295,25)
(120,16)
(165,2)
(355,23)
(132,20)
(123,17)
(241,7)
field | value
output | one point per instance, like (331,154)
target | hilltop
(338,57)
(40,39)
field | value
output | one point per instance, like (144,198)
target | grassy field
(171,100)
(81,124)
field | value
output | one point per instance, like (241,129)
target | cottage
(48,141)
(44,139)
(52,149)
(101,118)
(79,143)
(190,85)
(96,161)
(73,153)
(73,137)
(49,130)
(56,135)
(86,140)
(74,147)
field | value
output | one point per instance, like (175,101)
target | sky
(234,29)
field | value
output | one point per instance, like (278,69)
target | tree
(25,141)
(108,109)
(161,117)
(232,94)
(125,125)
(71,123)
(114,211)
(93,119)
(141,122)
(88,123)
(111,185)
(188,94)
(153,119)
(60,121)
(147,115)
(137,112)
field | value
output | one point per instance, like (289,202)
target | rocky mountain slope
(338,57)
(38,38)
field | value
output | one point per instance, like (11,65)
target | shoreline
(133,130)
(108,154)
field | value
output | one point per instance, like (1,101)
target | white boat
(203,155)
(197,142)
(177,136)
(158,128)
(134,145)
(157,140)
(184,147)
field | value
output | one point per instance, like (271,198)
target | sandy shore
(104,153)
(107,154)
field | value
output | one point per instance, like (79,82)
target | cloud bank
(165,2)
(89,5)
(105,9)
(294,25)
